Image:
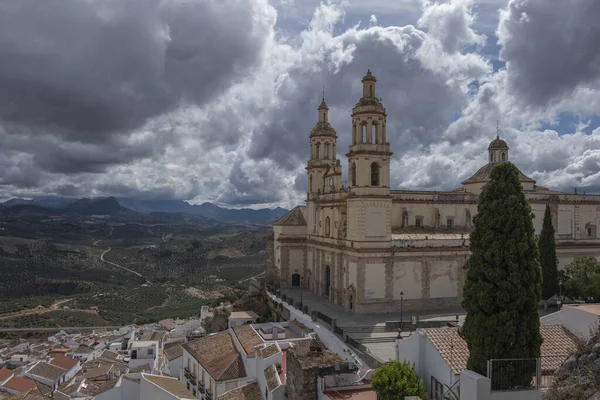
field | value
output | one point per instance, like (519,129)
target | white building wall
(174,367)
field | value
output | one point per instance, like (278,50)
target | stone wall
(270,263)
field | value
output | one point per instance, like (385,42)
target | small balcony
(209,394)
(201,387)
(187,373)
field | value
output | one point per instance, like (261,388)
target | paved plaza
(349,319)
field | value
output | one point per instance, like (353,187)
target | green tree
(548,259)
(396,380)
(582,278)
(502,290)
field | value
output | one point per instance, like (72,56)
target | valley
(60,267)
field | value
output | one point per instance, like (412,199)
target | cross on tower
(323,93)
(497,129)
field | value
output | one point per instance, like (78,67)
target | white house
(213,365)
(142,353)
(441,354)
(85,353)
(238,318)
(47,374)
(71,365)
(579,319)
(173,360)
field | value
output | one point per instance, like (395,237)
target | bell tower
(369,168)
(324,170)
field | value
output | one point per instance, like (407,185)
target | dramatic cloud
(214,100)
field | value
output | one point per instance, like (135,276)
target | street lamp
(560,283)
(401,308)
(301,302)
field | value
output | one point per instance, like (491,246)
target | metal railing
(524,373)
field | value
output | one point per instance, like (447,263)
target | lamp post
(301,302)
(560,283)
(401,308)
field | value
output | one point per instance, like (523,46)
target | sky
(213,100)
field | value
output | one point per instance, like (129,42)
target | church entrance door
(327,281)
(295,279)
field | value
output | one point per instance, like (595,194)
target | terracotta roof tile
(64,362)
(31,394)
(20,384)
(173,352)
(48,371)
(557,344)
(251,391)
(450,345)
(170,385)
(217,354)
(268,351)
(272,378)
(4,374)
(100,370)
(248,338)
(484,174)
(295,217)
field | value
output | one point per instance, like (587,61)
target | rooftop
(243,314)
(48,371)
(295,217)
(268,351)
(271,378)
(251,391)
(94,388)
(173,352)
(590,308)
(218,356)
(248,338)
(64,362)
(30,394)
(453,348)
(5,374)
(100,370)
(20,384)
(170,385)
(484,175)
(352,394)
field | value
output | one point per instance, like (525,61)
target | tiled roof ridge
(294,217)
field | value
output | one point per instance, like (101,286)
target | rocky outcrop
(579,376)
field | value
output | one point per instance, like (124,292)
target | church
(369,248)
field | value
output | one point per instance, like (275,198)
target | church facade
(369,248)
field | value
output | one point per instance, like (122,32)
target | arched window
(326,150)
(310,183)
(491,157)
(503,156)
(327,227)
(374,174)
(363,129)
(374,133)
(353,174)
(318,154)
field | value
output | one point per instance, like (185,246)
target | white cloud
(247,141)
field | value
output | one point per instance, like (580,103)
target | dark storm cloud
(419,102)
(87,69)
(550,46)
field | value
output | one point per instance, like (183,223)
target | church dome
(498,144)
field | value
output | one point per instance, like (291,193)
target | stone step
(375,339)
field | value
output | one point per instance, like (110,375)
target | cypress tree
(548,259)
(502,290)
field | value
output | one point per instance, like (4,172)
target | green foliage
(548,259)
(503,284)
(396,380)
(582,278)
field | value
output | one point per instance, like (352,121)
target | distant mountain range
(122,205)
